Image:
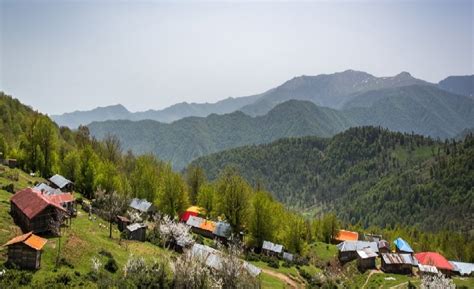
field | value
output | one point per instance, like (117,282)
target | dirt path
(283,278)
(372,272)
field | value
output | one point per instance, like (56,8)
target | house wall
(139,235)
(396,268)
(364,264)
(347,256)
(39,224)
(24,256)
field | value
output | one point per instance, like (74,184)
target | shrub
(111,265)
(274,263)
(9,188)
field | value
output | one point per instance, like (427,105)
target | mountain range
(330,90)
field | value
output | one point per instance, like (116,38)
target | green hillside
(184,140)
(366,175)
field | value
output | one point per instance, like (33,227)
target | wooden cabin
(33,212)
(348,249)
(397,263)
(136,232)
(122,223)
(60,182)
(25,251)
(366,259)
(272,249)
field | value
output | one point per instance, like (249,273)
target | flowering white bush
(436,282)
(134,265)
(96,264)
(172,231)
(191,272)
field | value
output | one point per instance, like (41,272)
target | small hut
(66,200)
(372,237)
(366,259)
(398,263)
(384,246)
(462,268)
(25,251)
(288,256)
(272,249)
(60,182)
(136,232)
(348,249)
(122,222)
(427,269)
(142,207)
(222,231)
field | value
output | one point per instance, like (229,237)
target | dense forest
(367,175)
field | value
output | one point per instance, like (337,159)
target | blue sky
(60,56)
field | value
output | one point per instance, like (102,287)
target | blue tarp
(402,245)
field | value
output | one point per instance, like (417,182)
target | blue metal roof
(402,245)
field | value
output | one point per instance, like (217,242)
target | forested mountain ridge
(367,175)
(166,115)
(182,141)
(423,109)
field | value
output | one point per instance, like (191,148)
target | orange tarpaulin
(208,226)
(344,235)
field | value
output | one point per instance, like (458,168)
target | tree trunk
(110,228)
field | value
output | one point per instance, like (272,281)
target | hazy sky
(60,56)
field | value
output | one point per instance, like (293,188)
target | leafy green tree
(234,194)
(87,174)
(295,232)
(207,198)
(329,227)
(145,178)
(108,178)
(262,218)
(70,165)
(195,177)
(173,198)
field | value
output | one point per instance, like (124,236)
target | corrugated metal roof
(396,258)
(267,245)
(135,226)
(366,253)
(194,221)
(42,187)
(435,259)
(462,267)
(252,269)
(383,244)
(30,240)
(212,258)
(288,256)
(32,202)
(61,198)
(223,229)
(141,205)
(427,268)
(348,246)
(59,181)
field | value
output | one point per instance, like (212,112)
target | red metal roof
(434,259)
(32,202)
(30,240)
(61,198)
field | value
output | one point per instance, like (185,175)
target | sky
(62,56)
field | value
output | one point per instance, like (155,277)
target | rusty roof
(61,198)
(32,202)
(397,258)
(29,239)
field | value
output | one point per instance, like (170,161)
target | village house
(343,235)
(33,211)
(66,200)
(366,259)
(201,226)
(398,263)
(435,259)
(136,232)
(402,246)
(25,251)
(47,190)
(122,222)
(384,246)
(372,237)
(142,207)
(348,249)
(213,259)
(192,211)
(272,249)
(462,268)
(222,231)
(288,256)
(60,182)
